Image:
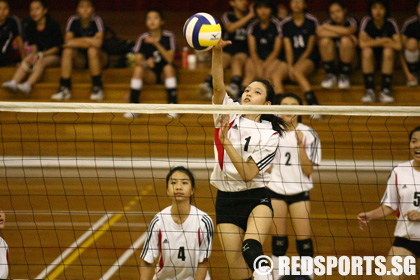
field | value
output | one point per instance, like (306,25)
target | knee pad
(412,56)
(251,249)
(279,245)
(305,247)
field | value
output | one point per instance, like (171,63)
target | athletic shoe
(62,95)
(24,88)
(206,91)
(172,116)
(386,96)
(413,83)
(344,82)
(258,276)
(329,82)
(97,94)
(369,96)
(233,90)
(10,86)
(131,116)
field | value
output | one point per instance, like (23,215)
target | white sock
(170,82)
(412,56)
(136,84)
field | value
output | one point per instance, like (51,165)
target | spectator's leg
(302,70)
(249,73)
(39,68)
(412,55)
(169,76)
(95,66)
(347,52)
(368,68)
(328,55)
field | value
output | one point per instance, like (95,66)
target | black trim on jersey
(314,145)
(266,161)
(146,245)
(209,226)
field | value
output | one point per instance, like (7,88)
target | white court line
(124,257)
(73,246)
(74,213)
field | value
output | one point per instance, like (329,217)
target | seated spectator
(411,37)
(264,44)
(282,11)
(10,30)
(337,45)
(155,52)
(379,39)
(45,39)
(235,24)
(299,39)
(82,42)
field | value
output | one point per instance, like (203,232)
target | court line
(124,257)
(70,224)
(80,249)
(73,246)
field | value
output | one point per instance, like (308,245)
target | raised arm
(219,90)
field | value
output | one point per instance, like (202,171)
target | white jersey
(4,259)
(180,248)
(252,140)
(287,177)
(403,195)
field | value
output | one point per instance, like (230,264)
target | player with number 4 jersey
(402,196)
(180,236)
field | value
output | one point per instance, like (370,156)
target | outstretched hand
(221,44)
(224,129)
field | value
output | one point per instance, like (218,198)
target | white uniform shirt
(287,177)
(180,248)
(251,140)
(4,259)
(403,195)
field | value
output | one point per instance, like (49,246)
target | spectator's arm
(323,32)
(341,30)
(168,55)
(51,51)
(21,47)
(232,26)
(289,51)
(396,43)
(365,41)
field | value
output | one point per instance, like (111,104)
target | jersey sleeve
(16,26)
(225,18)
(393,26)
(391,197)
(100,26)
(151,246)
(364,25)
(57,36)
(71,25)
(264,155)
(139,46)
(226,101)
(205,238)
(313,146)
(251,28)
(30,34)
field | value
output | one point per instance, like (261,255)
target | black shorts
(378,54)
(314,57)
(290,199)
(235,207)
(158,69)
(412,246)
(235,49)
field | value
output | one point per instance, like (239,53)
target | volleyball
(202,31)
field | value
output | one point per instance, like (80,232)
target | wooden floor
(48,209)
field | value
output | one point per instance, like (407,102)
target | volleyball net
(80,184)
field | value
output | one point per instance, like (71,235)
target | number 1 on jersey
(247,143)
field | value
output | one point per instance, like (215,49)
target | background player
(82,43)
(45,39)
(337,45)
(299,37)
(291,180)
(235,24)
(379,39)
(4,250)
(181,235)
(10,30)
(245,146)
(410,34)
(156,48)
(264,42)
(402,196)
